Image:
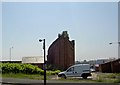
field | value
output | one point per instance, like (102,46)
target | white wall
(38,59)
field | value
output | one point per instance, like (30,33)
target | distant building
(96,63)
(34,60)
(61,53)
(110,67)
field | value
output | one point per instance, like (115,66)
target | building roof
(33,59)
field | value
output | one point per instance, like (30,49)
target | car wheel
(63,76)
(84,77)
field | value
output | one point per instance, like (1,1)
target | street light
(118,47)
(115,43)
(10,52)
(44,67)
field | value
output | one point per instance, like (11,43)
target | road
(14,81)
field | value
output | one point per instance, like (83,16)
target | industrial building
(111,67)
(61,53)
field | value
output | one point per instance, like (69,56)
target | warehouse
(61,53)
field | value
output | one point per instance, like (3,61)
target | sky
(0,31)
(60,0)
(91,24)
(119,28)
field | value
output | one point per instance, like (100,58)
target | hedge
(24,68)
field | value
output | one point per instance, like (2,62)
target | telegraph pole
(44,67)
(10,53)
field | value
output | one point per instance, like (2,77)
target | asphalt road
(14,81)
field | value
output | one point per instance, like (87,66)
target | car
(78,70)
(92,70)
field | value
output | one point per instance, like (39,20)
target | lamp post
(10,53)
(118,47)
(115,43)
(44,67)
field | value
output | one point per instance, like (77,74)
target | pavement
(15,81)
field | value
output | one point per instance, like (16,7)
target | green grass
(108,77)
(102,78)
(78,80)
(23,76)
(27,76)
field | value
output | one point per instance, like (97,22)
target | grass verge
(108,77)
(101,78)
(23,76)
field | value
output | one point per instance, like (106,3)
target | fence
(110,67)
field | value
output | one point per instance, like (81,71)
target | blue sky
(91,24)
(0,31)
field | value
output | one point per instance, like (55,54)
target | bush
(117,81)
(20,68)
(24,68)
(53,72)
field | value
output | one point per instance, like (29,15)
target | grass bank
(108,77)
(101,77)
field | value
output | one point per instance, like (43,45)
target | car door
(70,72)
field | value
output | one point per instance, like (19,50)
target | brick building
(110,67)
(61,53)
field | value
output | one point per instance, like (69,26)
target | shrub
(20,68)
(117,81)
(24,68)
(53,72)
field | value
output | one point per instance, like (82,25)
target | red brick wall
(115,66)
(61,53)
(111,67)
(105,68)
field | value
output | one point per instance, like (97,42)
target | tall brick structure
(61,53)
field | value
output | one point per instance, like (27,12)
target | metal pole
(119,44)
(44,66)
(44,62)
(10,54)
(118,49)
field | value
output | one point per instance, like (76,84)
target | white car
(78,70)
